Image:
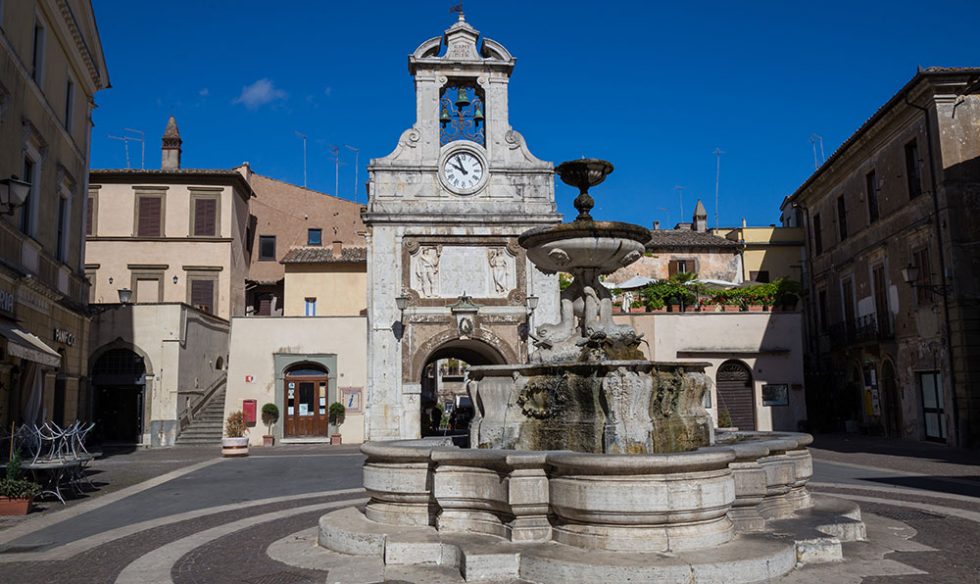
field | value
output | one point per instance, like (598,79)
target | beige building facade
(170,235)
(755,362)
(151,365)
(51,67)
(768,253)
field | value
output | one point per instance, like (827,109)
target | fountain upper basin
(605,246)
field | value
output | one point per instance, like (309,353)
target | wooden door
(736,393)
(306,405)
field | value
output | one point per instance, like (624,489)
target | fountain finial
(583,174)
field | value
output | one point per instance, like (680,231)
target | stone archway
(443,382)
(119,387)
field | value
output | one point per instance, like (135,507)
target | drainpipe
(942,268)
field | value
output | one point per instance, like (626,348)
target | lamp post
(13,193)
(910,274)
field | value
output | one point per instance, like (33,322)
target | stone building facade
(51,67)
(444,212)
(892,272)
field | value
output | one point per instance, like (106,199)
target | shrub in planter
(335,415)
(235,442)
(270,415)
(16,493)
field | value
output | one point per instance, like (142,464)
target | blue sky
(653,87)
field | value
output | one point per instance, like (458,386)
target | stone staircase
(209,424)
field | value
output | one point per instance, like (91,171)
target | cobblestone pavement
(215,523)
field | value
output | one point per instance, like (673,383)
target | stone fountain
(591,447)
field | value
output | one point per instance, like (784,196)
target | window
(69,104)
(920,259)
(202,294)
(148,289)
(149,216)
(314,236)
(871,189)
(37,63)
(817,236)
(204,216)
(267,248)
(912,174)
(62,228)
(311,307)
(847,294)
(680,267)
(91,213)
(26,214)
(842,217)
(933,405)
(760,276)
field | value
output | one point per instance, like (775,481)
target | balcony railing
(26,255)
(863,329)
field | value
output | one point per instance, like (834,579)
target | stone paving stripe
(45,521)
(952,511)
(74,548)
(156,566)
(897,491)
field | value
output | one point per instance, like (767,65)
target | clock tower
(446,277)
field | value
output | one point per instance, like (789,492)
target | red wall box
(248,411)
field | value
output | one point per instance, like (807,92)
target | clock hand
(460,168)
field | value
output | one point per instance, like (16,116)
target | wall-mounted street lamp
(910,274)
(525,329)
(175,279)
(13,193)
(401,302)
(532,304)
(125,295)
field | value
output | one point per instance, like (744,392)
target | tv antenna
(357,157)
(335,152)
(302,137)
(126,140)
(718,152)
(814,140)
(680,196)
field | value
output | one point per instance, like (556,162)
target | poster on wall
(304,409)
(351,398)
(775,394)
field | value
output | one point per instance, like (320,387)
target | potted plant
(235,442)
(16,493)
(270,415)
(336,418)
(725,420)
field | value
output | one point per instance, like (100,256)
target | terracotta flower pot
(19,506)
(234,447)
(731,308)
(335,439)
(755,308)
(268,440)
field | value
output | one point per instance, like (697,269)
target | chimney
(700,217)
(656,225)
(171,146)
(338,249)
(744,223)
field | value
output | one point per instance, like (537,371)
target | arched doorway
(736,394)
(893,402)
(305,395)
(119,379)
(444,384)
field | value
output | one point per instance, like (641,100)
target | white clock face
(463,171)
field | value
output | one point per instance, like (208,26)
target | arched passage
(736,394)
(119,383)
(444,383)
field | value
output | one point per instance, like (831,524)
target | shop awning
(27,346)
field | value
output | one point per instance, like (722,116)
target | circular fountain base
(738,511)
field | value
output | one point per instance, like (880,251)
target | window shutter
(205,215)
(202,295)
(89,212)
(672,268)
(149,217)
